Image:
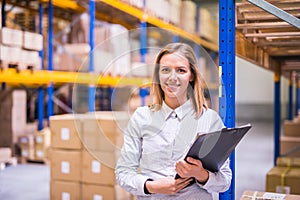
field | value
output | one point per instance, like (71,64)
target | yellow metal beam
(41,77)
(142,16)
(66,4)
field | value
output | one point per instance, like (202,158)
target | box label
(65,167)
(97,197)
(284,189)
(65,196)
(39,153)
(25,153)
(65,134)
(96,167)
(39,139)
(273,196)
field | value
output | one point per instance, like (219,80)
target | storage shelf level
(43,77)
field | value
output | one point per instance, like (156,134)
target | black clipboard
(214,148)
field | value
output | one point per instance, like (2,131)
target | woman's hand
(192,168)
(167,185)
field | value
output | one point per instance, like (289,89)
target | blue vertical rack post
(92,88)
(40,89)
(3,23)
(227,76)
(290,104)
(277,115)
(143,52)
(297,96)
(50,89)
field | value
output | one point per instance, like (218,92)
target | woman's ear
(191,78)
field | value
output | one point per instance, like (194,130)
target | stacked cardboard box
(285,176)
(26,145)
(253,195)
(290,140)
(188,16)
(83,155)
(12,117)
(42,140)
(19,49)
(65,157)
(208,26)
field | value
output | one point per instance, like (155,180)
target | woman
(158,137)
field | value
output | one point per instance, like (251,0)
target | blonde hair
(195,90)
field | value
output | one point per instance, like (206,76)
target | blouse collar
(179,112)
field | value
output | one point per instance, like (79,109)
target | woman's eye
(165,70)
(181,70)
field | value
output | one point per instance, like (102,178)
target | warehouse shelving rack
(271,29)
(227,52)
(132,14)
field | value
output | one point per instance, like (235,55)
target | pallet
(10,161)
(23,160)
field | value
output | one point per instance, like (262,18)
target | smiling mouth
(172,86)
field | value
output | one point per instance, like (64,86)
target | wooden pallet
(10,161)
(23,160)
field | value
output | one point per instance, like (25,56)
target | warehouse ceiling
(268,33)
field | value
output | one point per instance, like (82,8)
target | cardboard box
(208,26)
(12,117)
(256,195)
(43,137)
(103,131)
(65,131)
(64,190)
(27,152)
(289,146)
(65,165)
(32,41)
(40,152)
(11,37)
(283,180)
(26,140)
(291,128)
(98,167)
(288,162)
(5,154)
(95,192)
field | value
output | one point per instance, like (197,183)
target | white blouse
(155,140)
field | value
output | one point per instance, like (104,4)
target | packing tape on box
(287,169)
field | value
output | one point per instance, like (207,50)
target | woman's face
(174,75)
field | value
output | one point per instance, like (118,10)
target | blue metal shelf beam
(227,76)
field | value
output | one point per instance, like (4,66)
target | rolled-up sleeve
(126,171)
(219,181)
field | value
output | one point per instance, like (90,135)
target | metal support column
(41,90)
(143,52)
(277,115)
(297,96)
(290,104)
(227,76)
(50,59)
(3,24)
(92,88)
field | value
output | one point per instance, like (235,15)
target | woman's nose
(173,74)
